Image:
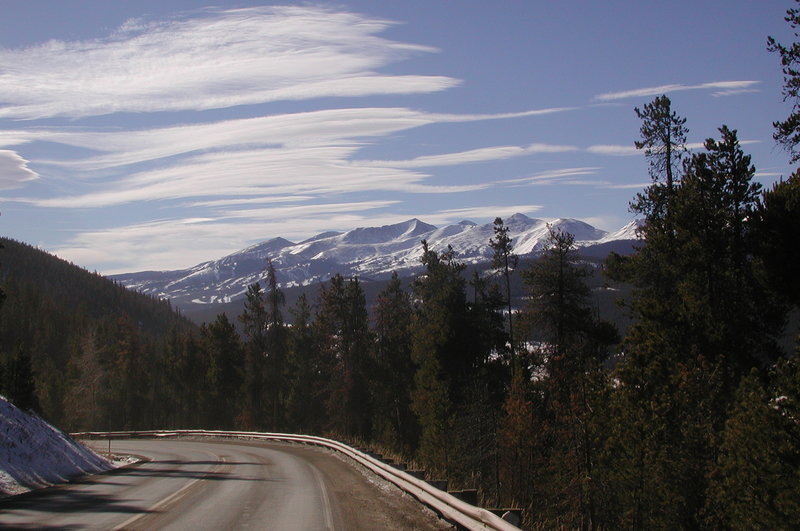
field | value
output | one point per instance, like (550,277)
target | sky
(154,135)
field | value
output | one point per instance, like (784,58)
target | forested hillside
(63,335)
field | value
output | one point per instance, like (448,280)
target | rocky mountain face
(369,253)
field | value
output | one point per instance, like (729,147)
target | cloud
(303,154)
(455,215)
(466,157)
(613,150)
(626,151)
(315,128)
(632,186)
(454,118)
(733,92)
(14,171)
(299,211)
(558,176)
(221,59)
(724,86)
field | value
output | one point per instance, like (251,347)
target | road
(221,484)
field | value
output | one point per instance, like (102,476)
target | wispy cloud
(455,215)
(14,171)
(630,186)
(558,176)
(722,88)
(614,150)
(222,59)
(467,157)
(304,154)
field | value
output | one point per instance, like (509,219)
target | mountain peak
(386,233)
(518,217)
(373,252)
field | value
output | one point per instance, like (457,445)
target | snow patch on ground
(34,454)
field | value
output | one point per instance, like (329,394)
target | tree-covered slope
(52,308)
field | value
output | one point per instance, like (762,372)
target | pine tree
(394,422)
(504,258)
(127,381)
(307,373)
(726,311)
(519,446)
(254,325)
(440,341)
(701,321)
(573,382)
(776,229)
(86,381)
(223,379)
(787,132)
(757,483)
(276,343)
(343,328)
(663,139)
(19,384)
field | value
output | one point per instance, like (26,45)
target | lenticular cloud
(14,170)
(216,60)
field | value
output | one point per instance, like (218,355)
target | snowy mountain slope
(34,454)
(369,252)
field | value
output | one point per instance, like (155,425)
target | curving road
(221,484)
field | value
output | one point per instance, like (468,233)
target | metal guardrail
(451,508)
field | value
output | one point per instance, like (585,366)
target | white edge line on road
(326,502)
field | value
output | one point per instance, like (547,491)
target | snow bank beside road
(34,454)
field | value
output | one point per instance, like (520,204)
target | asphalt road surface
(222,484)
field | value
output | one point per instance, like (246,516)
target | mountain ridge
(366,252)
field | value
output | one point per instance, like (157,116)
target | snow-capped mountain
(370,252)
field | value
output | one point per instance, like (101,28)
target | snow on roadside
(34,454)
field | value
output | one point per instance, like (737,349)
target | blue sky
(157,134)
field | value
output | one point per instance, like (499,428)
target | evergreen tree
(757,483)
(440,341)
(254,326)
(663,139)
(307,373)
(276,348)
(19,384)
(726,311)
(345,339)
(87,379)
(223,379)
(701,320)
(776,229)
(394,422)
(572,349)
(519,441)
(787,132)
(127,382)
(504,258)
